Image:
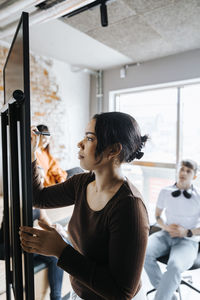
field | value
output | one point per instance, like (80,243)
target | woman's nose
(80,144)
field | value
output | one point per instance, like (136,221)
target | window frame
(113,95)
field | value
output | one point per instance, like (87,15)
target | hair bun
(139,155)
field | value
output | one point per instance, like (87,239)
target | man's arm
(179,231)
(159,220)
(196,231)
(173,229)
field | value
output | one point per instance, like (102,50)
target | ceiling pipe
(99,91)
(8,9)
(41,16)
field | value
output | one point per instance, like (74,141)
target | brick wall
(47,105)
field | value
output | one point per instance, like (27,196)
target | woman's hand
(46,242)
(34,142)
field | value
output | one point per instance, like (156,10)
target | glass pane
(156,113)
(149,182)
(190,96)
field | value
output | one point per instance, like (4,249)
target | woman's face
(88,147)
(44,141)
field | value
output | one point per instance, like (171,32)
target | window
(156,112)
(190,96)
(170,116)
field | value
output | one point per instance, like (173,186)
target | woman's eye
(89,139)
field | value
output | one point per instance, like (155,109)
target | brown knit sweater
(109,245)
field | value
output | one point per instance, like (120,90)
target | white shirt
(180,210)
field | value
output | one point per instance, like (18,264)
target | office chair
(164,260)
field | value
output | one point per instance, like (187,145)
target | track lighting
(104,15)
(103,11)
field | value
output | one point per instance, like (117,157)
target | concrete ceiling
(63,42)
(138,30)
(144,29)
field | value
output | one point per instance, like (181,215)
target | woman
(52,172)
(109,226)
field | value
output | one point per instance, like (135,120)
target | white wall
(173,68)
(69,109)
(74,91)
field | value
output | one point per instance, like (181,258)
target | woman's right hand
(34,142)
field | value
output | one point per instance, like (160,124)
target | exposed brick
(47,106)
(45,72)
(39,114)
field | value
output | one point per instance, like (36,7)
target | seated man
(179,235)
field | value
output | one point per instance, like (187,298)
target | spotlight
(104,15)
(123,71)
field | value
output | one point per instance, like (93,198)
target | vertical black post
(15,203)
(26,173)
(17,167)
(4,123)
(26,159)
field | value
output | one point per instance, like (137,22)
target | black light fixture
(104,15)
(103,11)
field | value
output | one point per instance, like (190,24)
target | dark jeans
(55,274)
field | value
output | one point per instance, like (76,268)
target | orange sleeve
(55,174)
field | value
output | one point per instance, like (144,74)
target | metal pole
(179,128)
(6,220)
(15,204)
(99,91)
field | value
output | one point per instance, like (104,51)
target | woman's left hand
(46,242)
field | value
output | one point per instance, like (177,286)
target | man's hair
(44,128)
(189,163)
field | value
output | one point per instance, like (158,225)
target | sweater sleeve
(120,278)
(55,196)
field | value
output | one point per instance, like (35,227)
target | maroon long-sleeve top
(109,245)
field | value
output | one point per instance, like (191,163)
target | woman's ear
(114,150)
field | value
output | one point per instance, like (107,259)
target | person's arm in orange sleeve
(55,171)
